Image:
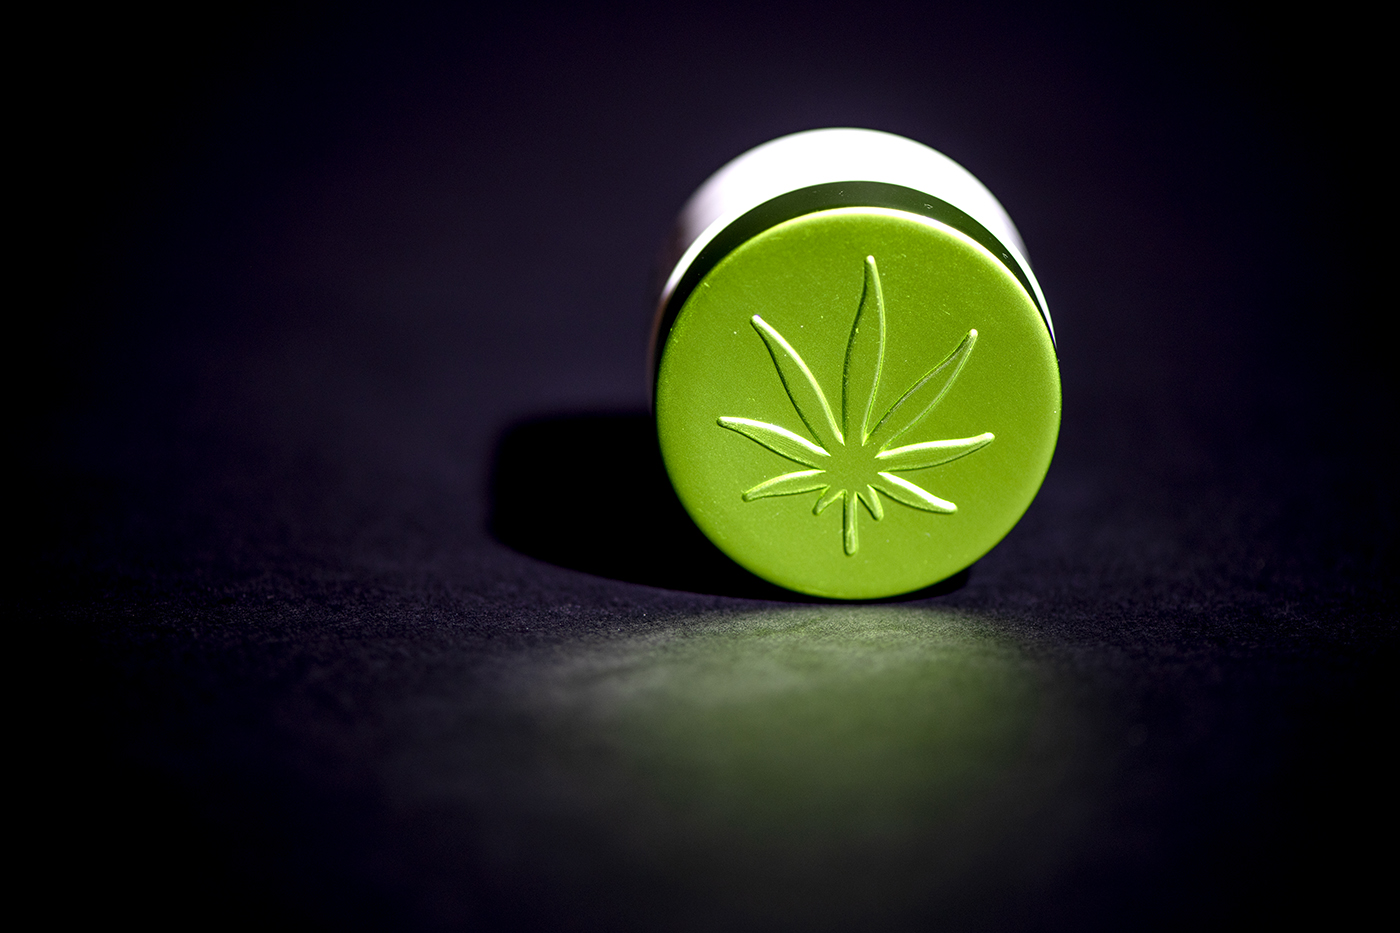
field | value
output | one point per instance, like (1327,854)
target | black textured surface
(357,601)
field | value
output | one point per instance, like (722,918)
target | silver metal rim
(820,170)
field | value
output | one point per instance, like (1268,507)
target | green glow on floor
(799,767)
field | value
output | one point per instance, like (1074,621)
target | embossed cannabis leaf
(858,459)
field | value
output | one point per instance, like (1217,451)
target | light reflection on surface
(796,767)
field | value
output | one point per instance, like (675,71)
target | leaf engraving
(807,397)
(856,462)
(865,356)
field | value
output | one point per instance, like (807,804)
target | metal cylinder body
(855,380)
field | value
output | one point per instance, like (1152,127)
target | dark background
(320,299)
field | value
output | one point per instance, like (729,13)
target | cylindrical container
(855,381)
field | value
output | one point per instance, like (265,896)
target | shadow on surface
(589,492)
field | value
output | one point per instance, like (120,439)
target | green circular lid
(857,402)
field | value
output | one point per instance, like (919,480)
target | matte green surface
(785,457)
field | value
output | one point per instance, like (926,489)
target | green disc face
(857,403)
